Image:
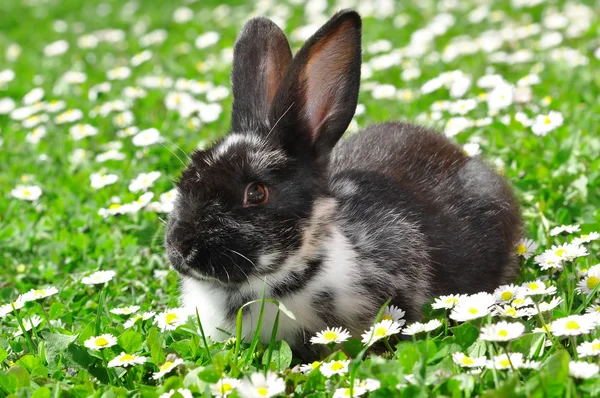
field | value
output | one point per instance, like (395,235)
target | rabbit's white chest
(327,296)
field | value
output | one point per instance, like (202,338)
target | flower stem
(27,337)
(493,366)
(108,370)
(46,317)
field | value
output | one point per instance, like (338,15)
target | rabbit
(332,230)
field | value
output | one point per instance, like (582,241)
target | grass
(60,238)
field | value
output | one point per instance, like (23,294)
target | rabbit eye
(256,194)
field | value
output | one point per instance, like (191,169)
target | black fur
(417,216)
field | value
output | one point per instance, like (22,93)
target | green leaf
(528,344)
(282,356)
(182,348)
(33,365)
(56,343)
(155,341)
(23,378)
(192,380)
(506,390)
(42,392)
(3,354)
(87,332)
(9,382)
(407,355)
(465,335)
(478,349)
(131,341)
(556,373)
(353,346)
(56,310)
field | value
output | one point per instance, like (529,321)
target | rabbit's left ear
(318,97)
(261,56)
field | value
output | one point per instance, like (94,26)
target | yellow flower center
(467,361)
(511,311)
(572,325)
(533,286)
(114,206)
(560,252)
(521,249)
(330,335)
(166,366)
(380,332)
(506,295)
(592,282)
(225,387)
(126,357)
(504,362)
(101,342)
(170,318)
(596,347)
(547,120)
(337,365)
(503,333)
(473,310)
(27,192)
(452,300)
(387,317)
(262,391)
(315,364)
(347,392)
(584,236)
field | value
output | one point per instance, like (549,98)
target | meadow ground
(101,100)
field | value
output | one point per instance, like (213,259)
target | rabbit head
(245,204)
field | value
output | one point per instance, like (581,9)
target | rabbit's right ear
(261,56)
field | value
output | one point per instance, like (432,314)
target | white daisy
(502,331)
(101,342)
(546,123)
(330,335)
(586,238)
(143,181)
(336,367)
(146,137)
(170,319)
(513,312)
(166,368)
(124,360)
(473,307)
(184,392)
(589,281)
(548,260)
(537,287)
(26,192)
(501,362)
(29,323)
(417,327)
(101,180)
(546,307)
(38,294)
(526,248)
(583,370)
(98,277)
(446,302)
(380,330)
(69,116)
(206,40)
(224,387)
(259,386)
(589,349)
(573,325)
(395,314)
(506,293)
(309,367)
(125,310)
(81,131)
(8,308)
(119,73)
(568,229)
(466,361)
(145,316)
(343,392)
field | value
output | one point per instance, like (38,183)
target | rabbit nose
(184,246)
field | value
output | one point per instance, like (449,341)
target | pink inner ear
(328,63)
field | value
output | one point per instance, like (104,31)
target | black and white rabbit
(395,212)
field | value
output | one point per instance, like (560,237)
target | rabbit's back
(464,214)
